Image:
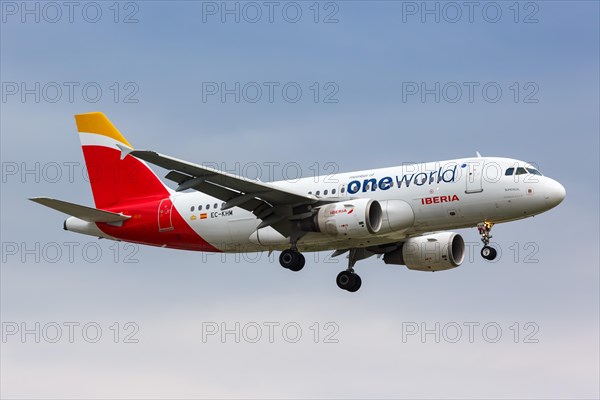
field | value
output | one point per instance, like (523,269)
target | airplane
(402,214)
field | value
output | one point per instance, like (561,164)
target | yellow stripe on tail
(98,123)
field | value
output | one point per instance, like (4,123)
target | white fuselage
(443,195)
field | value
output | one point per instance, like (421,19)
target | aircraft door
(474,177)
(165,222)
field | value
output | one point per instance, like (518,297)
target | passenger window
(332,191)
(343,189)
(521,171)
(216,206)
(199,208)
(309,192)
(222,205)
(192,209)
(325,192)
(509,172)
(208,206)
(318,192)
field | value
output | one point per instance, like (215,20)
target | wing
(275,206)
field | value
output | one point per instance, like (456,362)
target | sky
(254,87)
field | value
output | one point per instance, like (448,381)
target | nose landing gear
(488,252)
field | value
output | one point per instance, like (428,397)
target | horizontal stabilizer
(82,212)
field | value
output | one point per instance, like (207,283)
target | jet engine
(354,218)
(434,252)
(398,216)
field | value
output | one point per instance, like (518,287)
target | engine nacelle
(398,216)
(435,252)
(353,218)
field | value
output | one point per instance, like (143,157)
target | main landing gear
(348,279)
(292,259)
(488,252)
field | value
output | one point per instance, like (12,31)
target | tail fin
(114,181)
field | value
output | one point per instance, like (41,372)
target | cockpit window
(521,171)
(509,172)
(533,171)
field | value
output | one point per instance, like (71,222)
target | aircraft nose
(555,193)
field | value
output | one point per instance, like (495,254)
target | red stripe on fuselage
(143,228)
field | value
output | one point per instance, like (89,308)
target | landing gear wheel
(489,253)
(356,284)
(292,260)
(348,281)
(299,262)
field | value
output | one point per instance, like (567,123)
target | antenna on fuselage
(478,155)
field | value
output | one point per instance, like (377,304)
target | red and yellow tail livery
(114,181)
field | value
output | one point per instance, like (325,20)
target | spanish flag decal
(203,216)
